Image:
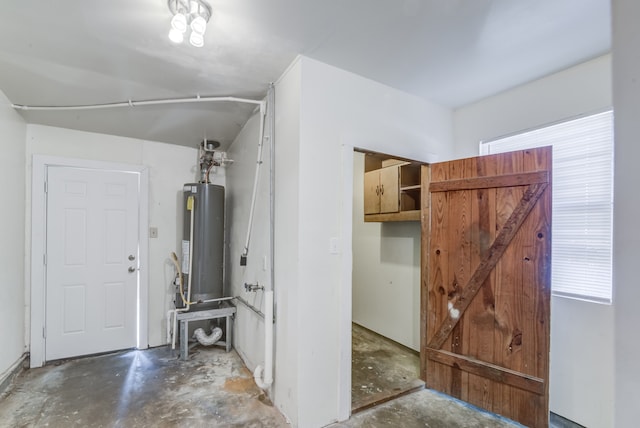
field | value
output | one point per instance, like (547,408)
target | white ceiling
(452,52)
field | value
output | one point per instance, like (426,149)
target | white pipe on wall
(131,103)
(263,375)
(245,251)
(272,184)
(188,302)
(220,299)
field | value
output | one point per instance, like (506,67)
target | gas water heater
(203,259)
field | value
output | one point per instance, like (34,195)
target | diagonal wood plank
(488,262)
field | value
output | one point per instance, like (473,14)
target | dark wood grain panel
(459,265)
(425,227)
(480,315)
(538,270)
(438,375)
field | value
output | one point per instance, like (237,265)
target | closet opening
(386,247)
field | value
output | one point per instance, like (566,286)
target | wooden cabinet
(391,189)
(381,191)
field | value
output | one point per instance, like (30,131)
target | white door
(91,261)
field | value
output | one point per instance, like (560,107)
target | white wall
(170,166)
(626,100)
(248,327)
(337,111)
(386,271)
(286,264)
(582,357)
(12,219)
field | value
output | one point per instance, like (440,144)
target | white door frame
(346,287)
(38,246)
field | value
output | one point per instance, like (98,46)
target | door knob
(132,257)
(131,269)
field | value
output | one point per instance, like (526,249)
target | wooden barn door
(486,282)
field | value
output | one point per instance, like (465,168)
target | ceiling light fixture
(196,39)
(193,14)
(176,36)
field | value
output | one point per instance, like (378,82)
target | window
(582,210)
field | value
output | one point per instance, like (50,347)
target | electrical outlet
(153,232)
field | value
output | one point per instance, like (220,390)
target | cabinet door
(389,194)
(372,192)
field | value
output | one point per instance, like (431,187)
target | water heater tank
(207,251)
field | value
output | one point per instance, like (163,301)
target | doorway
(89,228)
(385,302)
(481,213)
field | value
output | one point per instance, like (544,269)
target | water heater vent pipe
(208,339)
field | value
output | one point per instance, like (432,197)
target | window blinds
(582,209)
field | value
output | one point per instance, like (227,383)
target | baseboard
(375,333)
(12,372)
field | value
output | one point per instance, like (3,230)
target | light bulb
(196,39)
(176,36)
(179,22)
(199,25)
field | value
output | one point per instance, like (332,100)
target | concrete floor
(148,388)
(152,388)
(380,368)
(425,408)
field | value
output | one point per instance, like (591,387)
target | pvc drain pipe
(263,375)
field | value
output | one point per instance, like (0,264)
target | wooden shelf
(413,215)
(415,187)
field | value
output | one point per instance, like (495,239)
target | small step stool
(186,317)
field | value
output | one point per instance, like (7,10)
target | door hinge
(44,259)
(46,188)
(44,332)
